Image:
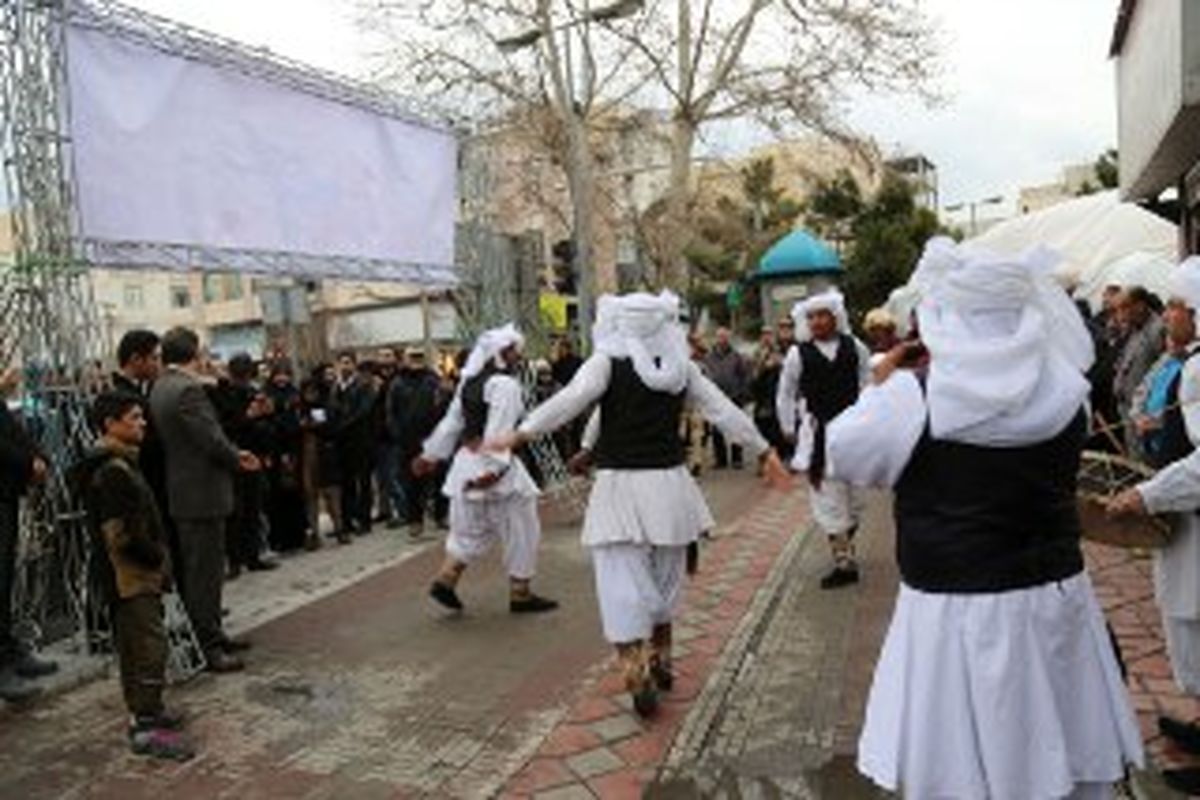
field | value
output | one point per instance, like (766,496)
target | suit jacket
(201,461)
(17,452)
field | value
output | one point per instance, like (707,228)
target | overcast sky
(1029,85)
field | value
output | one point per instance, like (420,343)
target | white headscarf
(489,346)
(645,328)
(830,300)
(1008,348)
(1185,282)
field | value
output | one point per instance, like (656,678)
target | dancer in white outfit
(821,377)
(491,494)
(1176,491)
(645,508)
(997,679)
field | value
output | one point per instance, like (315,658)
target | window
(133,296)
(221,287)
(181,297)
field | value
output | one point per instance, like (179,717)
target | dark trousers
(202,545)
(243,530)
(724,453)
(420,493)
(9,528)
(141,643)
(387,477)
(356,494)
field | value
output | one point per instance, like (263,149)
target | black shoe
(234,645)
(533,604)
(262,565)
(1185,781)
(28,665)
(164,720)
(840,576)
(343,537)
(662,675)
(445,596)
(220,662)
(645,701)
(15,690)
(1186,735)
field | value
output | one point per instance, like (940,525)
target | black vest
(829,387)
(639,427)
(474,407)
(988,519)
(1175,441)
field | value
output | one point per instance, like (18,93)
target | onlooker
(139,363)
(729,370)
(245,414)
(201,464)
(285,496)
(1136,314)
(387,460)
(353,403)
(134,561)
(412,413)
(320,467)
(1153,398)
(768,362)
(565,364)
(880,328)
(20,468)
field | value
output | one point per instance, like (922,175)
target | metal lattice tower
(50,328)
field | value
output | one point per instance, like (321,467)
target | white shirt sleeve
(718,409)
(788,391)
(588,386)
(506,405)
(865,363)
(442,442)
(591,433)
(870,443)
(1177,486)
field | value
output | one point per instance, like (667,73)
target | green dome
(798,253)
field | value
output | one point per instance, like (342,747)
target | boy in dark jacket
(126,523)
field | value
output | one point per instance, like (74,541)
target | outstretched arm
(721,411)
(588,386)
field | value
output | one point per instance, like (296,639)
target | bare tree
(784,63)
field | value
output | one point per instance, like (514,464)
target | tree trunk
(675,268)
(580,181)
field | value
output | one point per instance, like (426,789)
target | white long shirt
(790,407)
(1176,490)
(506,405)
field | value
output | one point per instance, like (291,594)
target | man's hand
(580,463)
(774,473)
(1128,503)
(248,462)
(485,481)
(422,466)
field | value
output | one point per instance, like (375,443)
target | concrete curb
(703,719)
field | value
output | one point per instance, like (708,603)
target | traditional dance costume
(492,497)
(997,678)
(645,508)
(820,379)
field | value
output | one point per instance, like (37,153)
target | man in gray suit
(201,463)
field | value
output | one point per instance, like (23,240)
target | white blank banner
(176,151)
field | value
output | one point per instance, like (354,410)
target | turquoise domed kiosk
(795,267)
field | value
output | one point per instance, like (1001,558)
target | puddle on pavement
(837,779)
(303,696)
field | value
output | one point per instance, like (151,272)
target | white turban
(1185,282)
(830,300)
(489,346)
(1008,348)
(645,328)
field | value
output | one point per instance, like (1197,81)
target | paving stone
(594,762)
(618,726)
(575,791)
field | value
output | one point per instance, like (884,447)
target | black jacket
(17,452)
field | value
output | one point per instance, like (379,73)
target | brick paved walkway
(601,748)
(1125,587)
